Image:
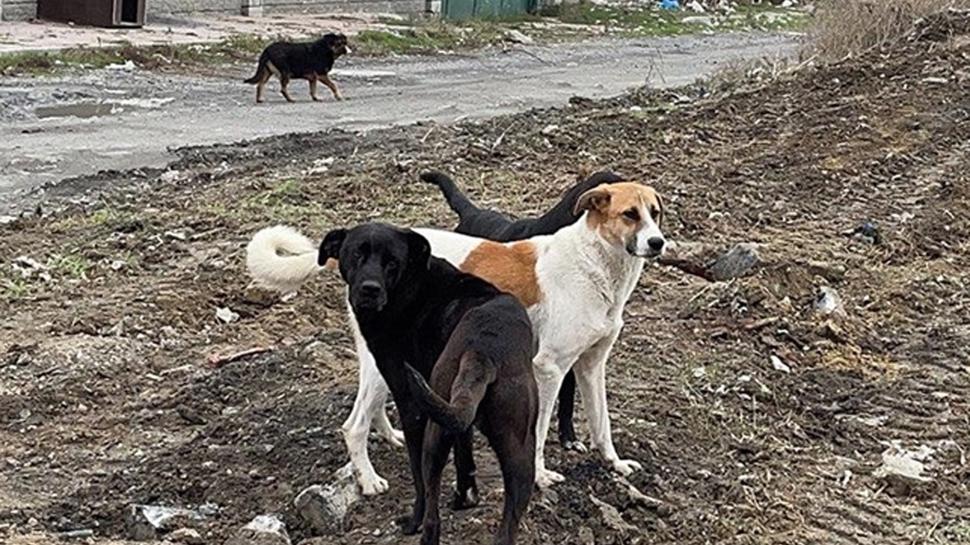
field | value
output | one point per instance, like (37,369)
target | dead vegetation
(844,28)
(766,409)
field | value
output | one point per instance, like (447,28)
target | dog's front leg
(413,423)
(591,375)
(549,373)
(371,396)
(333,87)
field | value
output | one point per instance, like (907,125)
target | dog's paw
(575,445)
(465,500)
(396,438)
(546,478)
(373,484)
(409,525)
(626,467)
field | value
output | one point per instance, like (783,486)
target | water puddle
(84,110)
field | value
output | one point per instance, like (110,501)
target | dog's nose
(370,288)
(656,243)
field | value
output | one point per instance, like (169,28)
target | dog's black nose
(370,288)
(656,243)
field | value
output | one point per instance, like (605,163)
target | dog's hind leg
(591,375)
(436,446)
(263,76)
(567,404)
(511,420)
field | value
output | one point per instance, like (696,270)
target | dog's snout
(370,288)
(656,243)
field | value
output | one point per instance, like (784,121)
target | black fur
(474,342)
(310,61)
(493,225)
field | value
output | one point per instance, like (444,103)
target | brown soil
(107,399)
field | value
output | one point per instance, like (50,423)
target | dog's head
(627,215)
(337,43)
(377,262)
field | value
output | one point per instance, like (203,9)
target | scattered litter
(867,232)
(828,301)
(226,315)
(550,129)
(320,166)
(170,176)
(518,37)
(126,66)
(903,468)
(146,522)
(262,530)
(779,365)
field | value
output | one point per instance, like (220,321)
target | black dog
(309,61)
(418,310)
(493,225)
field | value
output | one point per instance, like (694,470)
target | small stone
(549,129)
(189,536)
(868,232)
(262,530)
(903,469)
(325,507)
(586,536)
(736,262)
(611,516)
(146,522)
(828,301)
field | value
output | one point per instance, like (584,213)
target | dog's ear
(330,247)
(597,198)
(663,210)
(419,251)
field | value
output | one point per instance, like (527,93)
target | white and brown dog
(573,283)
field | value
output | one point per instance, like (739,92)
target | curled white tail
(281,258)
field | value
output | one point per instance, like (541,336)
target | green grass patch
(240,47)
(14,288)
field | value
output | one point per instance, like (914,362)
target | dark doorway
(129,11)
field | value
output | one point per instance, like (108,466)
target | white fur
(585,283)
(281,258)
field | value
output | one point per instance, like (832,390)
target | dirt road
(60,127)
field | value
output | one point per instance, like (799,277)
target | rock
(189,536)
(147,522)
(828,302)
(262,530)
(518,37)
(868,232)
(549,129)
(736,262)
(586,536)
(325,507)
(705,20)
(903,469)
(612,517)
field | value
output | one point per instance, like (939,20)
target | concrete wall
(18,10)
(22,10)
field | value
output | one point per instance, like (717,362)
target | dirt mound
(761,407)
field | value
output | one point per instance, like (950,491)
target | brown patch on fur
(511,269)
(608,203)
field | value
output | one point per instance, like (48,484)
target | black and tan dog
(310,61)
(493,225)
(421,317)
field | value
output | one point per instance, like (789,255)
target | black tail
(259,71)
(457,416)
(456,199)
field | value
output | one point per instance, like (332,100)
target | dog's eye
(654,213)
(391,267)
(632,214)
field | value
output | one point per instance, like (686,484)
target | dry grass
(844,28)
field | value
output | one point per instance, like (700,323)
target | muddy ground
(107,397)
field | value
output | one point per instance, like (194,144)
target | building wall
(22,10)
